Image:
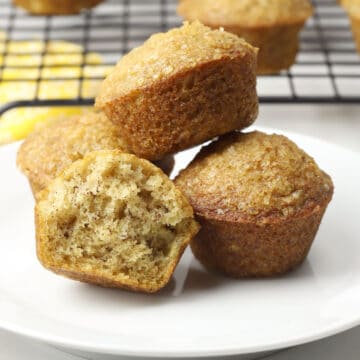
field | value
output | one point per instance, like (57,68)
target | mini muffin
(180,89)
(51,7)
(273,25)
(114,220)
(259,200)
(352,7)
(46,152)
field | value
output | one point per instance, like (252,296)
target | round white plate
(198,313)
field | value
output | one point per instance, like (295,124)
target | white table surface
(338,124)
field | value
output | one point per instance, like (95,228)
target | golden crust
(259,200)
(51,7)
(246,13)
(99,275)
(197,84)
(46,152)
(273,27)
(253,174)
(165,55)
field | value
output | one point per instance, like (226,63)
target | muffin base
(246,249)
(278,45)
(51,7)
(189,108)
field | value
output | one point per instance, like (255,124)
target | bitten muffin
(352,7)
(272,25)
(180,89)
(259,200)
(51,7)
(114,220)
(46,152)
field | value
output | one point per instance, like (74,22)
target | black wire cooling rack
(327,68)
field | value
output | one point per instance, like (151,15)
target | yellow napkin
(67,57)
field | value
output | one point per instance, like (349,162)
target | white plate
(198,314)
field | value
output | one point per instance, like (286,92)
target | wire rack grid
(327,68)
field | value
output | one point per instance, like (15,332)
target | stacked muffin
(112,218)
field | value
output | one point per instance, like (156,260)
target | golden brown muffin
(180,89)
(352,7)
(46,152)
(56,7)
(271,25)
(259,200)
(114,220)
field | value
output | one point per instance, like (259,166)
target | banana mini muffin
(114,220)
(46,152)
(53,7)
(352,7)
(180,89)
(259,200)
(271,25)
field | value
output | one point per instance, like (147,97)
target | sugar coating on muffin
(180,89)
(46,152)
(247,13)
(256,175)
(165,54)
(115,220)
(259,200)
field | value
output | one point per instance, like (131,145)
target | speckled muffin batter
(271,25)
(53,7)
(352,7)
(180,89)
(259,199)
(114,220)
(46,152)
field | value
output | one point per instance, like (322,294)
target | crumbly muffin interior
(115,218)
(254,174)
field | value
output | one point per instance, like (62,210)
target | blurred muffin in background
(56,7)
(352,7)
(273,25)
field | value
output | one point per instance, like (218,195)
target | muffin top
(164,55)
(247,13)
(253,175)
(49,150)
